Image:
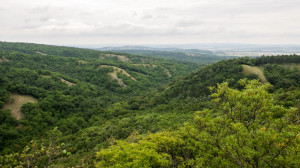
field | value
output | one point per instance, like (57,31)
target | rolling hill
(88,101)
(188,55)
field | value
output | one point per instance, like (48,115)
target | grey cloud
(85,14)
(155,20)
(3,9)
(188,23)
(45,19)
(147,17)
(41,9)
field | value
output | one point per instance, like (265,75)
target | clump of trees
(282,59)
(42,153)
(244,129)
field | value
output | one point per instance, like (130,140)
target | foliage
(38,154)
(281,76)
(244,129)
(125,154)
(248,129)
(96,108)
(282,59)
(194,56)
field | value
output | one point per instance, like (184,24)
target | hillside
(70,87)
(83,65)
(187,55)
(81,109)
(188,99)
(256,71)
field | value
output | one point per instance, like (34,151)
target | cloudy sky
(82,22)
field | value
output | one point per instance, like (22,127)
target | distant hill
(188,55)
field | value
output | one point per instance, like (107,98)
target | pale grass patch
(67,82)
(255,70)
(15,103)
(120,57)
(115,72)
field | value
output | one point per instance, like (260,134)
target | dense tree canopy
(77,100)
(244,129)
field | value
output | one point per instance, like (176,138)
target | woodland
(72,107)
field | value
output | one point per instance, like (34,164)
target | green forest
(73,107)
(203,57)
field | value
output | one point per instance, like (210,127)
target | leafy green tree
(135,155)
(248,130)
(38,154)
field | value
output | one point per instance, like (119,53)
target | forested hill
(226,124)
(187,55)
(70,88)
(70,108)
(280,71)
(116,72)
(180,98)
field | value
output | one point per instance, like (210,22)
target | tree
(248,130)
(132,154)
(38,154)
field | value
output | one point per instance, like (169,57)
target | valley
(74,107)
(150,84)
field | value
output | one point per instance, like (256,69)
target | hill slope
(255,70)
(188,55)
(169,107)
(70,87)
(90,110)
(82,64)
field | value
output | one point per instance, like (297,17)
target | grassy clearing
(167,72)
(82,62)
(67,82)
(61,79)
(15,103)
(41,53)
(4,60)
(119,81)
(255,70)
(115,72)
(120,57)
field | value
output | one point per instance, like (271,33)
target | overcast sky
(81,22)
